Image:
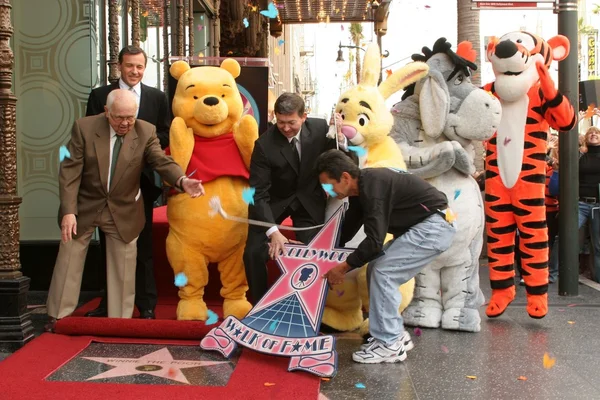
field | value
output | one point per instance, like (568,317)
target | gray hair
(121,96)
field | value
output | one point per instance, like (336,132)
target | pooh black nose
(211,101)
(506,49)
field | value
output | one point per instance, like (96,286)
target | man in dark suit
(153,108)
(281,171)
(114,148)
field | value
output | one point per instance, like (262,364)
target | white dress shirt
(136,90)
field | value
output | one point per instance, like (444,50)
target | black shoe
(97,312)
(147,314)
(49,327)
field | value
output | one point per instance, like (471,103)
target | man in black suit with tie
(281,171)
(153,108)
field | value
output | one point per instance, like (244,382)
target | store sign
(511,4)
(591,44)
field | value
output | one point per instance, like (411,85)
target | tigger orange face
(514,57)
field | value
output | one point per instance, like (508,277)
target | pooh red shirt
(216,157)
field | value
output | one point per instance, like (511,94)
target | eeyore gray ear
(434,103)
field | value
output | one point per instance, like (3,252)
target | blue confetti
(281,42)
(271,11)
(360,386)
(273,326)
(360,151)
(213,318)
(328,188)
(248,195)
(456,193)
(63,153)
(246,23)
(181,280)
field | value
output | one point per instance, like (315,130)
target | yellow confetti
(255,8)
(571,322)
(450,216)
(269,384)
(277,51)
(548,361)
(471,377)
(522,378)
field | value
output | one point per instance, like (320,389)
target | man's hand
(68,227)
(336,275)
(277,244)
(193,187)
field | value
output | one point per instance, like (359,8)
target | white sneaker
(378,352)
(405,339)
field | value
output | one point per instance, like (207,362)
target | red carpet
(165,326)
(23,375)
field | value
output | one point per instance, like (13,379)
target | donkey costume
(434,126)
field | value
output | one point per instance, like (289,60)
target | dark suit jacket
(154,108)
(84,174)
(276,179)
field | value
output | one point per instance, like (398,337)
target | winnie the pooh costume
(210,138)
(367,124)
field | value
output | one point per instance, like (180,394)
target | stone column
(180,28)
(16,328)
(113,40)
(190,9)
(166,51)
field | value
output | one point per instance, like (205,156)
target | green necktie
(115,156)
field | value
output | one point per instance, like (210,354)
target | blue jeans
(584,214)
(403,258)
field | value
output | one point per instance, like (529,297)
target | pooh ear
(371,66)
(231,66)
(403,77)
(560,47)
(179,68)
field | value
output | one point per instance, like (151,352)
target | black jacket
(154,108)
(278,182)
(388,201)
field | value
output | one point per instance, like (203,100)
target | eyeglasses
(120,119)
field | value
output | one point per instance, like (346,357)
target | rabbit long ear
(434,104)
(403,77)
(371,66)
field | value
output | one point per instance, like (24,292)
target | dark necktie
(115,156)
(294,147)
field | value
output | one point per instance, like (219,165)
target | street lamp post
(340,56)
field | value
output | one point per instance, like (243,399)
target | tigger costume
(516,167)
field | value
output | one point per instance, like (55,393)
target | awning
(315,11)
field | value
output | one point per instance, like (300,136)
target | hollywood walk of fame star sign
(159,363)
(286,321)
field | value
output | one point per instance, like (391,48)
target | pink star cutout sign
(286,321)
(159,363)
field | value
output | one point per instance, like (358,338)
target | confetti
(450,216)
(425,207)
(341,26)
(456,193)
(213,318)
(507,141)
(561,309)
(280,42)
(571,322)
(63,153)
(172,372)
(273,325)
(269,384)
(246,23)
(248,195)
(254,8)
(522,378)
(548,361)
(328,188)
(418,332)
(340,293)
(200,27)
(277,51)
(445,349)
(388,72)
(360,386)
(360,151)
(181,280)
(270,12)
(571,305)
(325,379)
(426,6)
(471,377)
